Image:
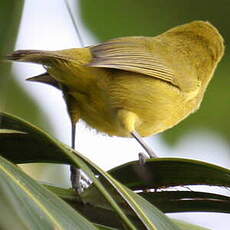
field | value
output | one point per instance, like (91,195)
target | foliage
(106,203)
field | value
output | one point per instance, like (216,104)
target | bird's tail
(36,56)
(63,66)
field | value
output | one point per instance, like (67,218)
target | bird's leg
(128,121)
(144,145)
(143,157)
(75,177)
(72,109)
(75,173)
(142,170)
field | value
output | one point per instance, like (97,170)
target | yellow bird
(134,86)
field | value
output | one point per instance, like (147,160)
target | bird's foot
(75,177)
(143,157)
(78,180)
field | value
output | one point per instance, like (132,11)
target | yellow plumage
(142,84)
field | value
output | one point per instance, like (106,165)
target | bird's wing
(131,54)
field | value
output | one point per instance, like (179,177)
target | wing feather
(133,55)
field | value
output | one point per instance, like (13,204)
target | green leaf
(168,170)
(33,206)
(42,140)
(33,146)
(97,211)
(165,172)
(150,216)
(156,173)
(168,201)
(39,147)
(147,214)
(80,161)
(188,201)
(151,212)
(97,214)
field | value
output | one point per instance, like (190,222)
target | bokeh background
(41,24)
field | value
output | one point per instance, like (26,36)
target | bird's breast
(158,104)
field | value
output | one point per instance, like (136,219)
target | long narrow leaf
(166,201)
(34,147)
(41,147)
(150,216)
(156,173)
(166,172)
(94,210)
(33,206)
(132,200)
(184,201)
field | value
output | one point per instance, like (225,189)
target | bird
(133,86)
